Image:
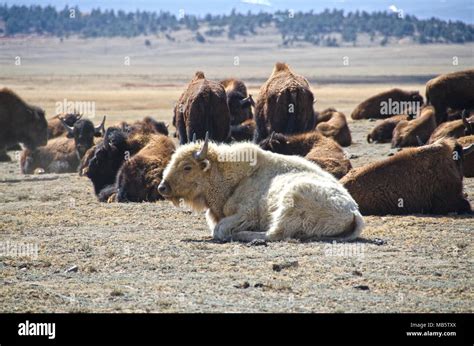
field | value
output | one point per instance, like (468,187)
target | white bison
(252,194)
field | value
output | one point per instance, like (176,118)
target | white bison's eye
(187,168)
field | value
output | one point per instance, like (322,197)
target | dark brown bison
(334,126)
(389,103)
(139,177)
(284,105)
(239,102)
(455,129)
(109,155)
(314,147)
(56,127)
(425,180)
(244,131)
(454,90)
(415,132)
(383,132)
(202,108)
(62,154)
(20,123)
(468,155)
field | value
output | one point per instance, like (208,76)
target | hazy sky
(444,9)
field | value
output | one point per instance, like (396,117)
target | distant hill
(326,28)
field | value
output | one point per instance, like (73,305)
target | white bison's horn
(194,137)
(468,150)
(69,129)
(100,128)
(202,154)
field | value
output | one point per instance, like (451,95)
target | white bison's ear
(205,165)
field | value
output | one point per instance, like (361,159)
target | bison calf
(383,132)
(314,147)
(272,197)
(455,128)
(425,180)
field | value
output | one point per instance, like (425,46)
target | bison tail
(358,225)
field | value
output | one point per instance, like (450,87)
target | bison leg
(260,129)
(228,228)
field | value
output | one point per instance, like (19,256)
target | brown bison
(139,177)
(389,103)
(334,126)
(314,147)
(62,154)
(455,129)
(244,131)
(20,123)
(415,132)
(239,102)
(454,90)
(109,155)
(202,108)
(468,155)
(147,125)
(284,105)
(55,124)
(383,132)
(425,180)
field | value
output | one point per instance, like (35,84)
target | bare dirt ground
(153,257)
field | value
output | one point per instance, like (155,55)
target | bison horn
(69,129)
(420,143)
(468,150)
(194,137)
(100,128)
(202,154)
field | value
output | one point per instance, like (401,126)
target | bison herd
(270,169)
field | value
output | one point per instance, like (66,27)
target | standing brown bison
(389,103)
(239,102)
(284,105)
(20,123)
(202,108)
(425,180)
(314,147)
(454,90)
(415,132)
(333,124)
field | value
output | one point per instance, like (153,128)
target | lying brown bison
(334,126)
(284,105)
(139,177)
(454,90)
(147,125)
(202,108)
(55,124)
(468,158)
(425,180)
(455,129)
(62,154)
(383,132)
(389,103)
(314,147)
(244,131)
(109,155)
(239,102)
(20,123)
(412,133)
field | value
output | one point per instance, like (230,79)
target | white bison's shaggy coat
(273,197)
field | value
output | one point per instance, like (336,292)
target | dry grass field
(153,257)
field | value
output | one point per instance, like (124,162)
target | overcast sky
(444,9)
